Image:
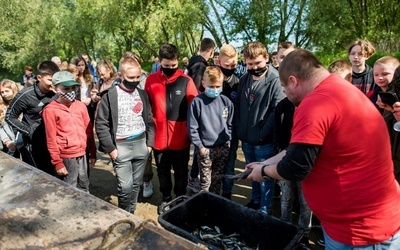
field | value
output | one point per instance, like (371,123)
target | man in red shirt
(336,127)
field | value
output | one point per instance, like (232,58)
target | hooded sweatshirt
(197,66)
(68,131)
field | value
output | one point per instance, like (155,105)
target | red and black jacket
(170,98)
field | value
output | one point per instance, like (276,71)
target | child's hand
(113,154)
(11,145)
(62,172)
(92,161)
(150,149)
(203,151)
(383,105)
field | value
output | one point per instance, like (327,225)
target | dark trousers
(77,172)
(148,171)
(178,161)
(38,156)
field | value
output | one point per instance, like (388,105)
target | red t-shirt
(351,187)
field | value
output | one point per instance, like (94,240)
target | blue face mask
(213,93)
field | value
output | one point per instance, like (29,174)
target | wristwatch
(263,174)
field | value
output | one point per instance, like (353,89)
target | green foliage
(33,31)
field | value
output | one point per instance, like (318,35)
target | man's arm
(295,164)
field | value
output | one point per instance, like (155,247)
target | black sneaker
(321,241)
(253,205)
(304,244)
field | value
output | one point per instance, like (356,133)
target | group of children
(208,107)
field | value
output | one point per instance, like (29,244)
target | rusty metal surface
(38,211)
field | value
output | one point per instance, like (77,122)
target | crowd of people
(327,136)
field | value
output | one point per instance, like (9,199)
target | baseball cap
(64,78)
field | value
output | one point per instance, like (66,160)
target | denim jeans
(288,189)
(263,192)
(227,184)
(393,243)
(129,169)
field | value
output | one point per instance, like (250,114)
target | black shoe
(321,241)
(253,205)
(227,195)
(303,244)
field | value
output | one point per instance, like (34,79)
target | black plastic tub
(256,229)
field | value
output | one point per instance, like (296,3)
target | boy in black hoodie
(198,63)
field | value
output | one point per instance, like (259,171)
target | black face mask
(130,85)
(168,71)
(258,72)
(227,72)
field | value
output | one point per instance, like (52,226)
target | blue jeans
(288,192)
(393,243)
(227,184)
(263,192)
(129,169)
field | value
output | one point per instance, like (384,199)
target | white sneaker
(147,189)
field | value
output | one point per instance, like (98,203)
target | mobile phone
(388,98)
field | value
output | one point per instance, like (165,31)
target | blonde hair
(6,83)
(107,64)
(367,49)
(213,73)
(254,49)
(64,66)
(127,63)
(227,50)
(4,103)
(72,68)
(388,61)
(339,65)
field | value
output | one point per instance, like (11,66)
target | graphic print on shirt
(130,109)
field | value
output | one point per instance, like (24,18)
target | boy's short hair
(388,61)
(285,45)
(168,51)
(339,65)
(130,54)
(213,73)
(254,49)
(128,62)
(274,53)
(228,50)
(47,68)
(206,44)
(367,48)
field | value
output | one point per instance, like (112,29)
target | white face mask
(69,96)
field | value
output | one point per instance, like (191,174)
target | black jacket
(107,119)
(30,101)
(197,66)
